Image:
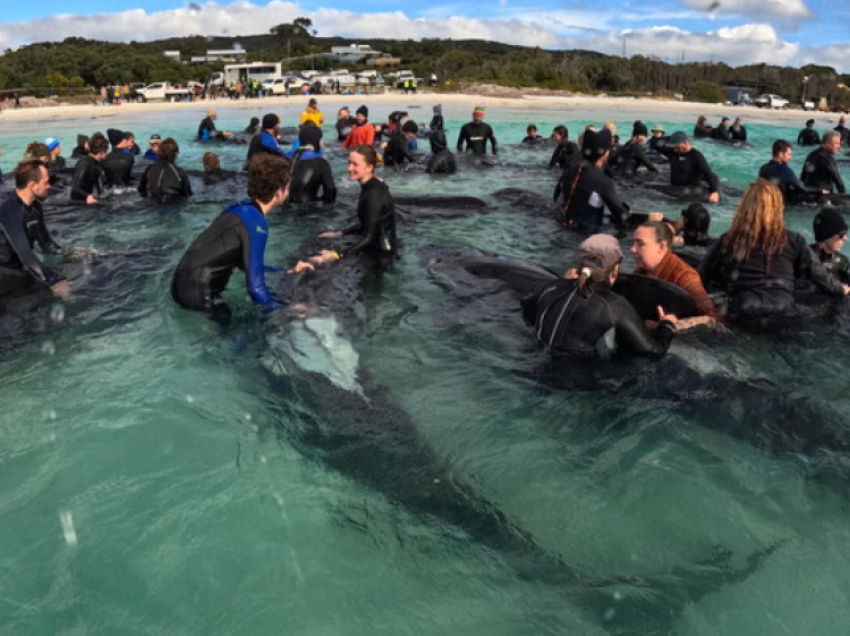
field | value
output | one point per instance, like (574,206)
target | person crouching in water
(830,236)
(164,181)
(236,239)
(397,152)
(441,159)
(574,317)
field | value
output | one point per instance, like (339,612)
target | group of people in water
(756,269)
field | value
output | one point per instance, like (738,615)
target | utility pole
(624,47)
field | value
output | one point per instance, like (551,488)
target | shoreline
(673,110)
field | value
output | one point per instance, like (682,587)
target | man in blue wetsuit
(266,140)
(235,239)
(779,173)
(21,227)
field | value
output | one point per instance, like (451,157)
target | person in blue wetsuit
(207,129)
(779,173)
(153,153)
(236,239)
(266,140)
(21,227)
(311,172)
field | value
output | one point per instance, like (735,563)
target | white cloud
(786,12)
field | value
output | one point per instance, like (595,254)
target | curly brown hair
(267,173)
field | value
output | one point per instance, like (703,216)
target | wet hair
(662,230)
(368,153)
(37,150)
(780,146)
(530,128)
(98,144)
(830,135)
(758,224)
(27,171)
(168,150)
(267,173)
(211,162)
(695,223)
(562,131)
(589,275)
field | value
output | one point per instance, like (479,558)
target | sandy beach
(603,107)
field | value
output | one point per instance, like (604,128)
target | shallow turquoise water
(160,438)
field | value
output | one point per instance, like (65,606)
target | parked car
(771,101)
(277,85)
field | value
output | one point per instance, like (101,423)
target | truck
(164,91)
(248,72)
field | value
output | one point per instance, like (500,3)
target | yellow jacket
(314,115)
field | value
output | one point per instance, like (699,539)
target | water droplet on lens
(437,480)
(190,399)
(67,521)
(57,313)
(609,614)
(248,417)
(48,348)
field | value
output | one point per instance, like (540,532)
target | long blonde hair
(758,223)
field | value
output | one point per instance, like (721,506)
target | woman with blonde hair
(757,262)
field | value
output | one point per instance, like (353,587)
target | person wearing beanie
(633,155)
(155,143)
(738,131)
(821,170)
(266,140)
(721,132)
(809,136)
(475,135)
(344,123)
(363,132)
(573,316)
(441,160)
(397,152)
(566,151)
(585,191)
(118,164)
(688,167)
(437,122)
(830,236)
(311,172)
(56,161)
(312,113)
(82,147)
(842,130)
(779,173)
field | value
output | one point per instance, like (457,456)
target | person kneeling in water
(164,181)
(584,318)
(235,239)
(830,235)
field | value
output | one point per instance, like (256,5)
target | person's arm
(836,177)
(692,284)
(143,182)
(12,226)
(328,185)
(463,136)
(492,137)
(800,137)
(45,241)
(639,155)
(253,252)
(185,183)
(707,174)
(633,335)
(555,156)
(373,203)
(807,267)
(82,176)
(616,208)
(711,266)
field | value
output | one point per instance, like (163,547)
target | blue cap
(51,143)
(676,138)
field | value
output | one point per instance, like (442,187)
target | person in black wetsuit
(437,122)
(566,152)
(118,164)
(213,172)
(820,170)
(397,152)
(809,136)
(164,181)
(310,171)
(531,136)
(584,190)
(56,161)
(87,183)
(738,130)
(757,263)
(236,239)
(583,318)
(688,167)
(830,236)
(441,159)
(779,173)
(21,227)
(721,132)
(376,222)
(82,147)
(265,141)
(659,140)
(842,130)
(702,130)
(476,133)
(696,221)
(207,129)
(344,123)
(253,126)
(633,154)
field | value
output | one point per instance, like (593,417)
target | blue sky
(792,32)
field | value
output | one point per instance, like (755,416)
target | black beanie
(697,219)
(410,127)
(640,129)
(596,144)
(827,224)
(363,111)
(115,136)
(270,121)
(310,136)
